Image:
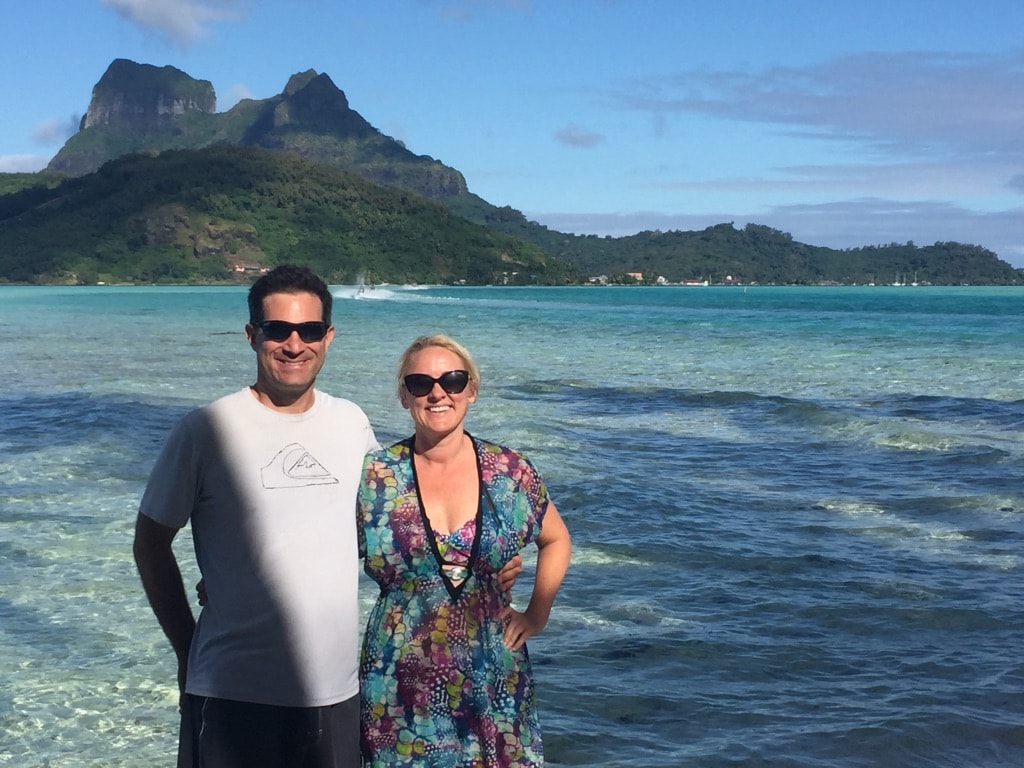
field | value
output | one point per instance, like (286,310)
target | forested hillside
(752,254)
(205,215)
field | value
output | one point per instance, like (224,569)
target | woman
(445,678)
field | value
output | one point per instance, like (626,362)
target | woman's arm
(554,551)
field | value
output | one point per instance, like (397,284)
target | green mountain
(142,108)
(138,113)
(223,212)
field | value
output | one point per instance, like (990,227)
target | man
(268,478)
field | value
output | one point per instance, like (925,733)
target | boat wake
(372,292)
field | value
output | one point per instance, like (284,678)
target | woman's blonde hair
(446,342)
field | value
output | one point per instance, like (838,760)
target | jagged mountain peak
(144,108)
(299,80)
(142,97)
(315,104)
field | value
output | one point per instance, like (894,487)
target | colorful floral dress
(438,687)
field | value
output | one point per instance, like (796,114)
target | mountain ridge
(142,109)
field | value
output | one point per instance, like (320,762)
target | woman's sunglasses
(452,382)
(279,330)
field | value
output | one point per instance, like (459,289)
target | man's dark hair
(288,278)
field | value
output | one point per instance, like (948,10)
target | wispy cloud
(873,221)
(921,129)
(22,163)
(965,105)
(181,21)
(238,92)
(576,136)
(51,132)
(959,178)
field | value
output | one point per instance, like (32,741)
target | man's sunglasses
(279,330)
(452,382)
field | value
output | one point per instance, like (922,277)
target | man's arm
(161,579)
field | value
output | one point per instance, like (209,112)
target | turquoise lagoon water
(798,513)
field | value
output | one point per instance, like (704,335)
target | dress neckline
(449,572)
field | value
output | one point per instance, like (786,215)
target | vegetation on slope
(196,215)
(753,254)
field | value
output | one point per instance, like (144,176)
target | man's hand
(509,573)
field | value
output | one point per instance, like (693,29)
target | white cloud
(918,103)
(22,163)
(576,136)
(181,21)
(960,179)
(874,221)
(931,150)
(237,93)
(50,132)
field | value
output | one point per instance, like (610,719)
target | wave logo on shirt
(295,467)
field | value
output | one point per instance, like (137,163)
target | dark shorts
(218,733)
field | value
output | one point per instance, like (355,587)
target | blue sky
(842,123)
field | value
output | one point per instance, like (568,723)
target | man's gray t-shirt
(271,500)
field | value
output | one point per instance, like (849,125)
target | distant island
(157,187)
